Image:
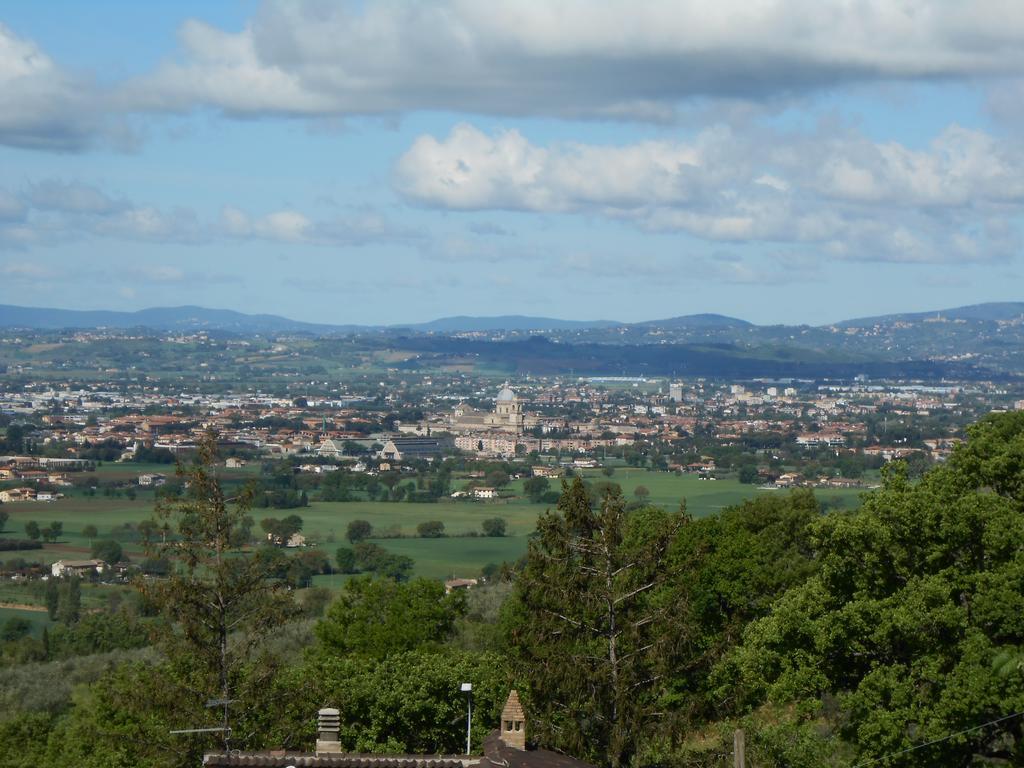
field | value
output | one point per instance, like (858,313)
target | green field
(326,522)
(38,619)
(456,557)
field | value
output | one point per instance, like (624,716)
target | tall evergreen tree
(70,606)
(52,599)
(222,603)
(593,638)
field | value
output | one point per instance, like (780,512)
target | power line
(947,737)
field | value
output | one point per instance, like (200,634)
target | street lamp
(467,688)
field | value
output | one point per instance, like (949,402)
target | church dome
(506,395)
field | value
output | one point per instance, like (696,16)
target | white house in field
(77,568)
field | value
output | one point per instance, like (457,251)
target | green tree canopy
(430,529)
(358,530)
(345,560)
(917,596)
(536,487)
(379,617)
(494,526)
(107,550)
(406,703)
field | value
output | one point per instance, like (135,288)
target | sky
(781,161)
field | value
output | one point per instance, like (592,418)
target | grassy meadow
(325,522)
(38,619)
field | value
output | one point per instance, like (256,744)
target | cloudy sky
(776,160)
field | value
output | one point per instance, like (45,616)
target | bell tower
(513,722)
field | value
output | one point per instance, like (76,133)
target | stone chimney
(328,731)
(513,723)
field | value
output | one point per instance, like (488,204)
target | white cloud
(360,227)
(617,58)
(284,226)
(41,105)
(54,211)
(71,197)
(180,225)
(848,196)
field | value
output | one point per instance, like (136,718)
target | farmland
(325,522)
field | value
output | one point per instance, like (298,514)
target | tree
(396,567)
(535,488)
(406,702)
(916,600)
(56,529)
(345,559)
(280,530)
(70,605)
(14,437)
(430,529)
(4,516)
(14,629)
(52,599)
(642,493)
(591,636)
(607,471)
(497,478)
(494,526)
(148,529)
(748,474)
(304,566)
(379,617)
(108,550)
(369,556)
(221,601)
(358,530)
(90,532)
(32,530)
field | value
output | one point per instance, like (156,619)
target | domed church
(508,413)
(508,416)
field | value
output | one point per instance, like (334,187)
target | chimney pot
(328,731)
(513,723)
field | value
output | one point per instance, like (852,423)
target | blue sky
(387,162)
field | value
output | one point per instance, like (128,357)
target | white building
(77,567)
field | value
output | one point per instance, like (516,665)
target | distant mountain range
(506,323)
(190,318)
(158,318)
(992,311)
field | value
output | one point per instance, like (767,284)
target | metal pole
(469,721)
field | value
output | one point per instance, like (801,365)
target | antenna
(224,729)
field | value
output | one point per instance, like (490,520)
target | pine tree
(593,637)
(52,599)
(70,604)
(221,602)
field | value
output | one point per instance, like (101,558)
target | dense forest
(640,637)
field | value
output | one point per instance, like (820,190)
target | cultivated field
(326,522)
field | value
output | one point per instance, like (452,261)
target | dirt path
(24,607)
